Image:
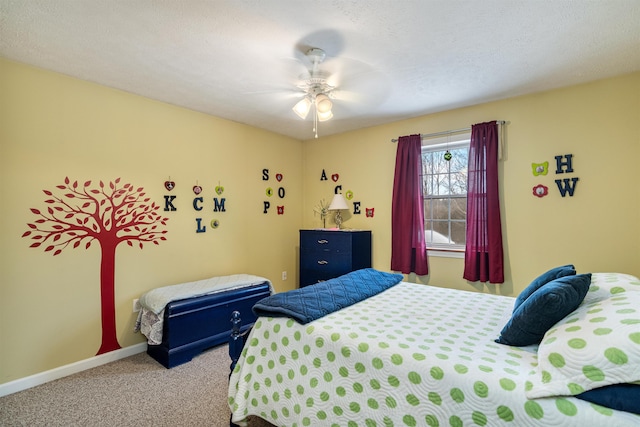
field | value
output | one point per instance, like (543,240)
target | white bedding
(414,355)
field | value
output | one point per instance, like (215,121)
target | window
(445,191)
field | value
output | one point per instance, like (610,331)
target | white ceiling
(395,59)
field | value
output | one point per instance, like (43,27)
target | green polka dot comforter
(417,355)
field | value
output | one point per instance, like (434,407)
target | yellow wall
(52,126)
(598,229)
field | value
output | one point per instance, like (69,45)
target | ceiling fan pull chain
(315,120)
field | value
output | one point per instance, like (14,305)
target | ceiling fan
(318,92)
(329,85)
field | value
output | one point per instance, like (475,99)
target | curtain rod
(449,132)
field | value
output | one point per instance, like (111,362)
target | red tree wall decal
(110,215)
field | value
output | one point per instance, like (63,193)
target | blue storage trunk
(195,324)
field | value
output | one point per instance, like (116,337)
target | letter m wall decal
(106,214)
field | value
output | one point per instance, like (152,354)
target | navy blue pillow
(543,309)
(543,279)
(623,397)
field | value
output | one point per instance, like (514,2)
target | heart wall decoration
(169,185)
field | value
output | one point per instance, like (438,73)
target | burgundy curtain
(408,246)
(483,259)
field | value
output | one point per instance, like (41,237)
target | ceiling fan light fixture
(317,92)
(323,117)
(323,103)
(302,107)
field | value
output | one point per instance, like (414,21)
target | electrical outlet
(136,305)
(284,275)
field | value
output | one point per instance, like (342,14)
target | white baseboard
(72,368)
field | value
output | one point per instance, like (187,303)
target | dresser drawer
(325,241)
(330,262)
(312,277)
(320,266)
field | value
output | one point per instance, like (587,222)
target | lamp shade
(323,117)
(302,107)
(323,103)
(338,203)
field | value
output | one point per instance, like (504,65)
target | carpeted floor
(135,391)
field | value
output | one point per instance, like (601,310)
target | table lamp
(337,204)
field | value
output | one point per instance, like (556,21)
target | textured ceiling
(241,59)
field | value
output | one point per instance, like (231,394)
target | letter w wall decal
(565,186)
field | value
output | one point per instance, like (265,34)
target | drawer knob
(323,241)
(323,262)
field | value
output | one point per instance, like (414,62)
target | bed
(180,321)
(419,355)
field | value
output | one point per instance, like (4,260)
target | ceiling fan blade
(356,81)
(368,89)
(344,66)
(294,69)
(276,95)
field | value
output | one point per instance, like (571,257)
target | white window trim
(445,253)
(440,143)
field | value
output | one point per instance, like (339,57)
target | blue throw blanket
(315,301)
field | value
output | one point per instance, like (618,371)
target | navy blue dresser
(325,254)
